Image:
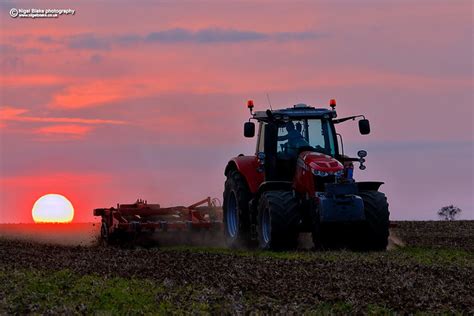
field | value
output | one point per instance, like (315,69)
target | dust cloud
(88,234)
(394,241)
(71,234)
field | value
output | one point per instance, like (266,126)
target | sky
(127,100)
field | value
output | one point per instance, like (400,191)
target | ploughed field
(430,267)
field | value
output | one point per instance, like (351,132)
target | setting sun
(52,208)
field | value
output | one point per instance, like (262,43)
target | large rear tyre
(278,220)
(377,218)
(236,211)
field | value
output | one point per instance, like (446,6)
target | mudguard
(247,166)
(369,185)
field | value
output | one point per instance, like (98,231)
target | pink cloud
(15,114)
(96,93)
(89,94)
(75,131)
(32,80)
(9,113)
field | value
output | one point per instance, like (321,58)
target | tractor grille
(319,182)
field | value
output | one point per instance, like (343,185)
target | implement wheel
(236,211)
(278,220)
(104,234)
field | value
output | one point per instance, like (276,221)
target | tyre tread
(285,218)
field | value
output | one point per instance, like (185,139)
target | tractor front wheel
(377,217)
(278,220)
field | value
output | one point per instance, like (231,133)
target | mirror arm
(347,118)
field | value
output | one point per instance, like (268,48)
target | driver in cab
(294,138)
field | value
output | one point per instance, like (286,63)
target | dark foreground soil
(436,278)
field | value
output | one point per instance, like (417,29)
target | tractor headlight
(320,173)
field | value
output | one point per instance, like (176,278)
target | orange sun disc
(52,208)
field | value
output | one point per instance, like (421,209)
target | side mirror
(249,129)
(364,127)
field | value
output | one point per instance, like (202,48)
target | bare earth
(431,268)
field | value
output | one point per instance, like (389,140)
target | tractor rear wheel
(378,223)
(236,210)
(278,220)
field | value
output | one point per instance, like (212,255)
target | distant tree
(449,213)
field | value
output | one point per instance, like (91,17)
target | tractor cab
(284,134)
(301,127)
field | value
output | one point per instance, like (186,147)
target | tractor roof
(298,111)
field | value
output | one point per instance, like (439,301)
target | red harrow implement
(127,221)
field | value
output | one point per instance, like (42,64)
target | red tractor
(299,180)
